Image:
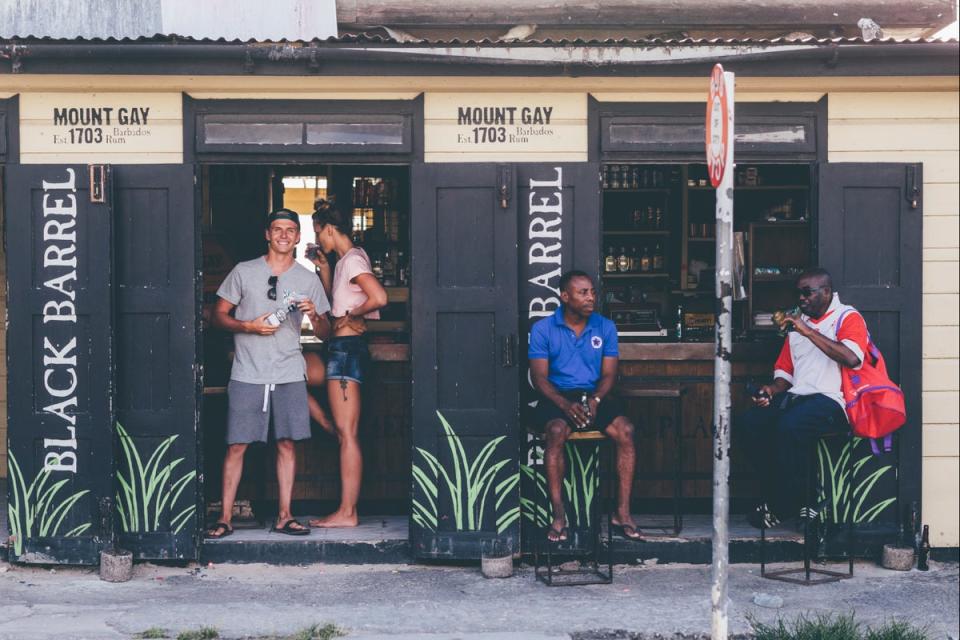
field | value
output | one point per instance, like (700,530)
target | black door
(59,389)
(464,352)
(870,239)
(157,380)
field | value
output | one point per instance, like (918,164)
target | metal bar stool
(674,393)
(811,538)
(596,572)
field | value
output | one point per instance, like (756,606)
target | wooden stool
(810,541)
(674,393)
(555,576)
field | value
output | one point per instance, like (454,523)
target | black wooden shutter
(156,337)
(871,240)
(465,375)
(60,425)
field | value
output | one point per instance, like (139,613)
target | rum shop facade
(128,166)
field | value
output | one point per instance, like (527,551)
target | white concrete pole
(721,383)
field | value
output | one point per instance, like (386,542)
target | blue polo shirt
(575,363)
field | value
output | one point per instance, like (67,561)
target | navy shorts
(609,409)
(347,358)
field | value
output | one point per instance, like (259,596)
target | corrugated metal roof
(371,38)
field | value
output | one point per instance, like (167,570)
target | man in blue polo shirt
(573,363)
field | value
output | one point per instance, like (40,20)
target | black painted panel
(59,385)
(870,239)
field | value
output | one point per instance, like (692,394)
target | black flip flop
(562,534)
(220,530)
(621,530)
(289,530)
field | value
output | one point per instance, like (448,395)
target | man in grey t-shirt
(262,302)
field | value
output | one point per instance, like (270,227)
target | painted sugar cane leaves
(468,484)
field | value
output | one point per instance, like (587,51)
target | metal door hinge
(98,182)
(913,187)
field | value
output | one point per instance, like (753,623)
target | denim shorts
(347,358)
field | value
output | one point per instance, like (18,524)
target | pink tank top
(347,295)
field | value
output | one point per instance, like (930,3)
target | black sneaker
(762,517)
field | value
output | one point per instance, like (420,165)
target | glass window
(355,133)
(272,133)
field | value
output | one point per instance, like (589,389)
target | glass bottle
(634,260)
(679,327)
(658,258)
(610,261)
(638,218)
(378,269)
(401,269)
(623,261)
(651,217)
(645,260)
(658,218)
(615,176)
(606,176)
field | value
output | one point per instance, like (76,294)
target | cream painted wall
(922,127)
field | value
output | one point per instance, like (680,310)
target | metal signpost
(719,147)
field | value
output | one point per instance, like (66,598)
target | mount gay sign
(472,127)
(109,128)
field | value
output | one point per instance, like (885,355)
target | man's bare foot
(625,526)
(335,520)
(558,530)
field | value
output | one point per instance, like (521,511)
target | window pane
(770,133)
(359,133)
(250,133)
(657,134)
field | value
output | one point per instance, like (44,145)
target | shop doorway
(235,200)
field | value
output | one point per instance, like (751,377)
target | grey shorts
(250,407)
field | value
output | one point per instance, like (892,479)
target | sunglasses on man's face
(272,291)
(806,292)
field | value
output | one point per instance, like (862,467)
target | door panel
(870,239)
(156,311)
(465,380)
(59,389)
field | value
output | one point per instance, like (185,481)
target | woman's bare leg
(345,404)
(316,376)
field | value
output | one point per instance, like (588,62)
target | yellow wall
(905,119)
(922,127)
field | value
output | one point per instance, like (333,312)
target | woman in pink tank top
(355,296)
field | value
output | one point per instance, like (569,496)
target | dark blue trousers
(780,440)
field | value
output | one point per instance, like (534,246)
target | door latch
(98,183)
(508,351)
(504,185)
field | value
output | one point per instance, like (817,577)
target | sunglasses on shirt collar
(272,291)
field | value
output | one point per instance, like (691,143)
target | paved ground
(394,602)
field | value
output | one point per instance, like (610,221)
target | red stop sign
(718,133)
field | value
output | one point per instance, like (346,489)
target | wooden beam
(658,14)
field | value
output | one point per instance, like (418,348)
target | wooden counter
(698,351)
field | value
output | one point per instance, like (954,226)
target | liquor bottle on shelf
(623,261)
(610,261)
(389,270)
(645,260)
(634,260)
(651,217)
(378,269)
(658,218)
(638,218)
(615,176)
(658,258)
(679,327)
(635,178)
(606,176)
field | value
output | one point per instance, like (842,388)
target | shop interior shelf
(635,275)
(711,239)
(637,232)
(644,190)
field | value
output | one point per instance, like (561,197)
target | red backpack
(874,403)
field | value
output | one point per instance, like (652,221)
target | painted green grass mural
(844,498)
(579,483)
(146,489)
(38,509)
(468,483)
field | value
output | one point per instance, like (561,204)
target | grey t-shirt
(272,359)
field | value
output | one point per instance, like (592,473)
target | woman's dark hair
(324,213)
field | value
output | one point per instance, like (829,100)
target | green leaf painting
(39,509)
(579,484)
(471,484)
(148,490)
(843,491)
